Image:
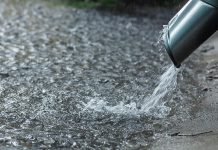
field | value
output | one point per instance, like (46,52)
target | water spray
(189,28)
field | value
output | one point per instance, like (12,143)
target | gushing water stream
(167,83)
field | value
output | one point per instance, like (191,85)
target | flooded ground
(70,78)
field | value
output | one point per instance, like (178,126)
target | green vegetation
(87,3)
(113,3)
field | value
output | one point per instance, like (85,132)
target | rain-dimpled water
(86,79)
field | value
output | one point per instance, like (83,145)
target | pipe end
(168,49)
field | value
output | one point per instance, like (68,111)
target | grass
(86,3)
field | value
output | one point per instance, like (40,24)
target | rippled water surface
(85,78)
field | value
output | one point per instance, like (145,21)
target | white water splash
(167,83)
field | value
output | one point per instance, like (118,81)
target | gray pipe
(190,27)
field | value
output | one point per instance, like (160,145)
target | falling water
(167,83)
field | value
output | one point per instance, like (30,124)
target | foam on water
(167,84)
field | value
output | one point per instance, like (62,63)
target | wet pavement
(199,132)
(55,60)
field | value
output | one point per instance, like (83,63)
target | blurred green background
(116,3)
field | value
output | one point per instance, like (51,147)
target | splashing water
(167,83)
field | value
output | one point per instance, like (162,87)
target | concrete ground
(200,132)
